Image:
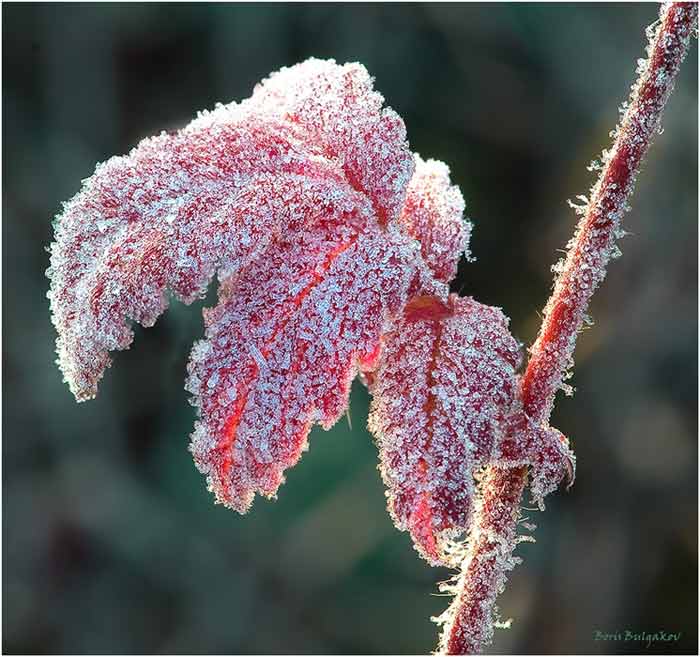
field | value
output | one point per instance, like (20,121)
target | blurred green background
(111,542)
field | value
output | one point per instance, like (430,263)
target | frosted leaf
(445,382)
(304,201)
(312,144)
(545,449)
(433,214)
(288,336)
(339,107)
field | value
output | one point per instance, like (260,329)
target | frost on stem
(593,245)
(469,621)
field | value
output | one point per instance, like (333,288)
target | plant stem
(469,621)
(594,242)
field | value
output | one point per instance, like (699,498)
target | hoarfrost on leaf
(444,406)
(308,205)
(290,367)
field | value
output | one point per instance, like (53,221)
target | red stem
(594,242)
(469,620)
(468,623)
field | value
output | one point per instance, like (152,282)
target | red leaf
(312,144)
(303,200)
(342,113)
(545,449)
(283,345)
(433,213)
(445,382)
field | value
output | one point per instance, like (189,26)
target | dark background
(111,542)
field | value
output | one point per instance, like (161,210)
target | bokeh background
(111,542)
